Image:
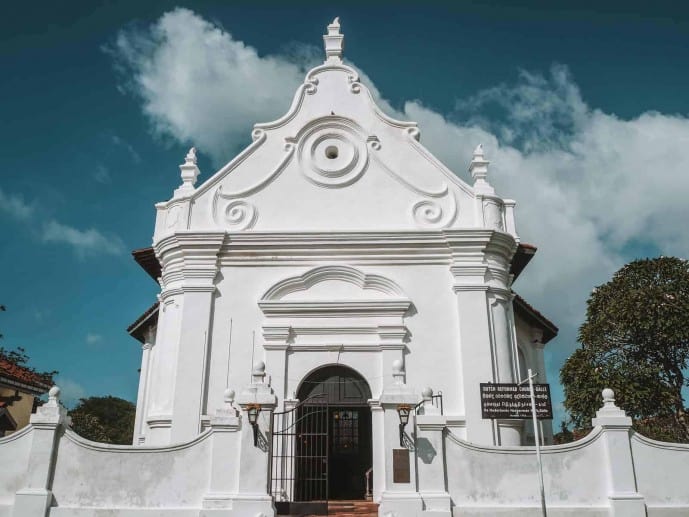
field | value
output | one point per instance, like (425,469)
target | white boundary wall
(47,470)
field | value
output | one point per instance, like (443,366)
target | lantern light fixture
(403,410)
(252,411)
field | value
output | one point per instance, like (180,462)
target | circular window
(331,152)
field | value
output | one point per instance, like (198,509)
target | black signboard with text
(500,400)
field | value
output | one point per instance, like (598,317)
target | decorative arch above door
(341,385)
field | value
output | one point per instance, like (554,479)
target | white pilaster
(398,498)
(253,496)
(189,263)
(35,497)
(224,469)
(141,398)
(625,501)
(430,464)
(480,267)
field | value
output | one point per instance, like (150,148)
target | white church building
(331,301)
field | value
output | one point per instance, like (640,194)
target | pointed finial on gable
(189,174)
(334,42)
(191,156)
(479,171)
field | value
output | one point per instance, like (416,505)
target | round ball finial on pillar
(398,371)
(54,395)
(258,372)
(228,396)
(608,397)
(427,394)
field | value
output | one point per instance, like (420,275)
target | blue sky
(582,109)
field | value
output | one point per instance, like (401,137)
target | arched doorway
(321,448)
(342,395)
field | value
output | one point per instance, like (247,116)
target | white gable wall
(333,183)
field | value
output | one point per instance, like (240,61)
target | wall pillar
(430,458)
(538,346)
(253,493)
(480,267)
(141,398)
(378,448)
(500,300)
(622,491)
(35,499)
(398,497)
(224,470)
(190,265)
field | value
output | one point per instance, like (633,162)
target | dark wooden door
(350,452)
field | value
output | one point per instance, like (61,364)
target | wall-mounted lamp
(252,411)
(403,410)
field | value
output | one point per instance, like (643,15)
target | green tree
(104,419)
(635,340)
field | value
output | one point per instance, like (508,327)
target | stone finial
(427,393)
(479,172)
(258,372)
(334,43)
(398,371)
(52,413)
(226,415)
(189,173)
(191,156)
(610,415)
(228,397)
(54,396)
(608,398)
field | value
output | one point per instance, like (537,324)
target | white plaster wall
(433,348)
(662,475)
(14,457)
(483,480)
(95,475)
(286,162)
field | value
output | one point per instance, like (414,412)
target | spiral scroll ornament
(240,214)
(427,213)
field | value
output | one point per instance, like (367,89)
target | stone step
(356,508)
(352,508)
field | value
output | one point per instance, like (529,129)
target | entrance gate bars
(299,457)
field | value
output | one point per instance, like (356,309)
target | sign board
(513,401)
(400,466)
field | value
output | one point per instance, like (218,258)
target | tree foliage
(635,340)
(104,419)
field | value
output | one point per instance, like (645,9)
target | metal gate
(299,458)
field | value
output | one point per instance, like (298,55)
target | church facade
(337,250)
(336,239)
(331,301)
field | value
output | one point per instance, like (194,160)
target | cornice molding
(459,246)
(326,309)
(329,347)
(341,273)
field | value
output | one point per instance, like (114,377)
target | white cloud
(93,339)
(84,242)
(102,174)
(200,86)
(15,206)
(590,186)
(70,391)
(136,158)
